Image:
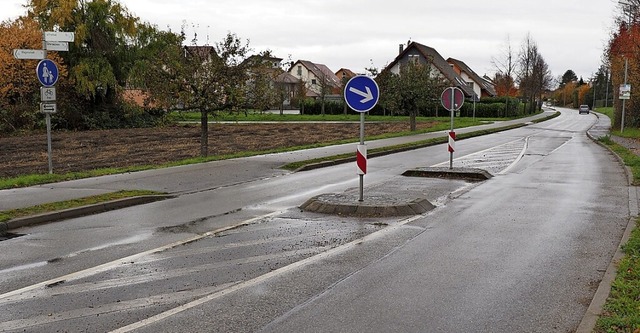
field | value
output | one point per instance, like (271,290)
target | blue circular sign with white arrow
(361,93)
(47,72)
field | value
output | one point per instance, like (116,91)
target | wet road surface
(523,251)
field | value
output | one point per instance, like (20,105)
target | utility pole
(593,86)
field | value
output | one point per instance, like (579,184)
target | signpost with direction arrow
(59,36)
(47,73)
(29,54)
(452,99)
(361,94)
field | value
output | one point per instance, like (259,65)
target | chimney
(401,48)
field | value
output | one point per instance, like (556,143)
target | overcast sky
(571,34)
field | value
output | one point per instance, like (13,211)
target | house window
(313,81)
(413,58)
(299,70)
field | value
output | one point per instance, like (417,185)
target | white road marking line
(123,261)
(168,298)
(249,283)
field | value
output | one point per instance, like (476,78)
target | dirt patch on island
(88,150)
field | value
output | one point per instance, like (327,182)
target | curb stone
(80,211)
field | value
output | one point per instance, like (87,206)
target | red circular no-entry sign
(452,103)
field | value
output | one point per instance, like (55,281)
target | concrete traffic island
(371,206)
(469,174)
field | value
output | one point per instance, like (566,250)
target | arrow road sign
(361,93)
(57,46)
(47,72)
(28,54)
(48,107)
(367,95)
(53,36)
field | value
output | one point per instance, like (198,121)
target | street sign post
(452,99)
(48,108)
(361,93)
(56,46)
(29,54)
(59,36)
(625,91)
(47,72)
(47,94)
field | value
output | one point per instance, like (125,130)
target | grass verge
(621,312)
(7,215)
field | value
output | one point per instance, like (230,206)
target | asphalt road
(522,252)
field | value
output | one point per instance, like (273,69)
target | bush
(330,107)
(492,108)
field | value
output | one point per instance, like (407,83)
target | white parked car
(583,109)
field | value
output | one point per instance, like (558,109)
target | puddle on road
(9,235)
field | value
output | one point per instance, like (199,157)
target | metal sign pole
(453,110)
(47,73)
(361,198)
(361,94)
(48,115)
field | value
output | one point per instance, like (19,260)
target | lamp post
(626,64)
(593,86)
(624,100)
(606,96)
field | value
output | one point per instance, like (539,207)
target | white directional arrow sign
(59,36)
(368,96)
(28,54)
(57,46)
(361,93)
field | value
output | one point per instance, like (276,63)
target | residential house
(287,85)
(345,75)
(267,61)
(203,53)
(270,67)
(319,79)
(480,86)
(419,53)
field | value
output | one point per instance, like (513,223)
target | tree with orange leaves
(624,51)
(19,87)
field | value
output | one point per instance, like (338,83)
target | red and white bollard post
(452,147)
(361,162)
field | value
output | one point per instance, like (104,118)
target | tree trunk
(204,134)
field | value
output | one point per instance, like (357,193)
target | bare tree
(533,75)
(505,66)
(325,89)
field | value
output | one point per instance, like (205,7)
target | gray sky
(571,34)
